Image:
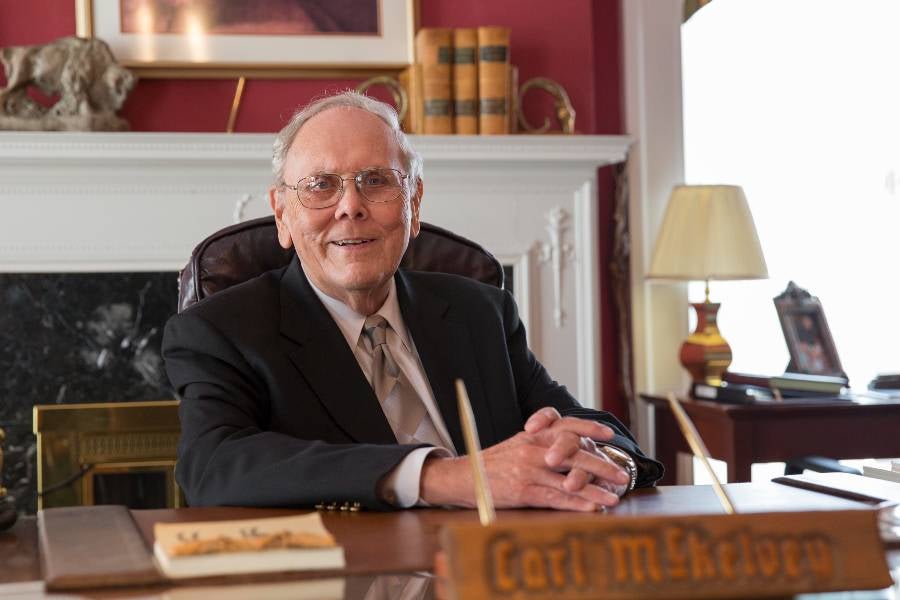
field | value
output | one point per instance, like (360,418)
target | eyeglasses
(324,190)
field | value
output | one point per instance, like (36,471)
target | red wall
(575,42)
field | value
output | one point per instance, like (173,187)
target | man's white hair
(412,161)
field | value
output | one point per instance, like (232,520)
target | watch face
(622,459)
(630,465)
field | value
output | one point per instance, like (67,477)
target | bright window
(798,101)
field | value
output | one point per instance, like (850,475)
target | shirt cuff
(400,487)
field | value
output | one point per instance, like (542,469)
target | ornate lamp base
(705,353)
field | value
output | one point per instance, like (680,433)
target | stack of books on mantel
(462,82)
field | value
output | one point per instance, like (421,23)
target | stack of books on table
(731,393)
(802,385)
(742,388)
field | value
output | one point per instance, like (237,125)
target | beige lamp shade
(708,233)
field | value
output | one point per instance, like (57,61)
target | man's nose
(351,204)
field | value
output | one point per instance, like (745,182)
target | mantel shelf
(21,147)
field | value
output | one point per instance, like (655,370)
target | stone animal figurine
(84,74)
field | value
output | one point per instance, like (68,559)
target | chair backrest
(240,252)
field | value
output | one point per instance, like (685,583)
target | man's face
(346,140)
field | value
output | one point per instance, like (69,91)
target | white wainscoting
(124,202)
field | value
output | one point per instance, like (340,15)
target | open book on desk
(201,549)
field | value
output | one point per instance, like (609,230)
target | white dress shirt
(401,486)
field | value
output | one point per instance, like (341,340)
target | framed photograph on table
(259,38)
(806,333)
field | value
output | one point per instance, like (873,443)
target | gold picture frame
(183,55)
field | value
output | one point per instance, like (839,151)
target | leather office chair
(240,252)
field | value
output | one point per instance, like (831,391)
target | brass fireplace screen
(107,453)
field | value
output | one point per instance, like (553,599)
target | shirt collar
(351,322)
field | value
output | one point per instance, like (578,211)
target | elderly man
(330,380)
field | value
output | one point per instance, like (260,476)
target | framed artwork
(259,38)
(806,333)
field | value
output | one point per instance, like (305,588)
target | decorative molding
(133,444)
(77,188)
(585,149)
(238,215)
(557,253)
(132,146)
(193,148)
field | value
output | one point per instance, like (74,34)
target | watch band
(622,459)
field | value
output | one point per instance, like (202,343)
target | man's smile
(353,242)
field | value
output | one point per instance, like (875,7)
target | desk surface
(835,405)
(406,541)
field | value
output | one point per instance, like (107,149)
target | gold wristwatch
(622,459)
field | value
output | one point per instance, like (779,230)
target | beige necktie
(403,408)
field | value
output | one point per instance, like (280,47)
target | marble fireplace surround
(133,202)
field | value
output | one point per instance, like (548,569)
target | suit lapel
(317,348)
(445,347)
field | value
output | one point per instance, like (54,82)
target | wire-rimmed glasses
(323,190)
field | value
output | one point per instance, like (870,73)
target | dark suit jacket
(275,410)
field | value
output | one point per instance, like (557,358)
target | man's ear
(414,203)
(277,206)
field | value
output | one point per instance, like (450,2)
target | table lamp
(707,233)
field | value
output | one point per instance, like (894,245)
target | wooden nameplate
(701,556)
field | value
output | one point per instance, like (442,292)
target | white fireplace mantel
(124,202)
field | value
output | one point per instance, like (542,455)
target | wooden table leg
(739,471)
(740,458)
(668,443)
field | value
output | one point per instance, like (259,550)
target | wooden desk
(743,434)
(406,541)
